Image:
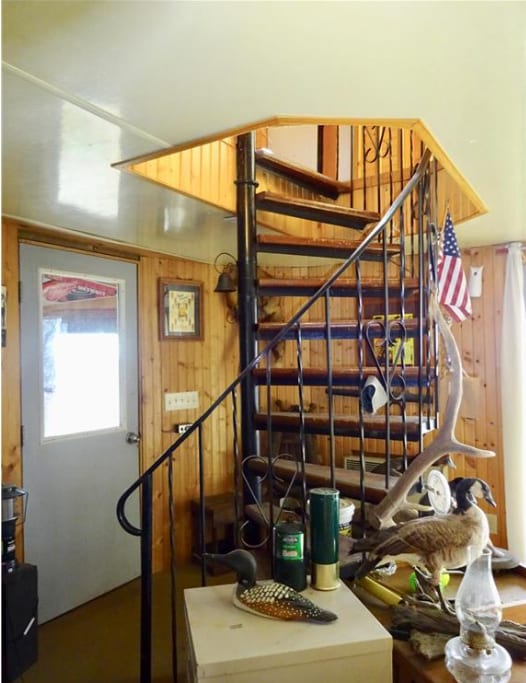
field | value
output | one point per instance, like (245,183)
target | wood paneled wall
(208,366)
(479,341)
(206,172)
(11,419)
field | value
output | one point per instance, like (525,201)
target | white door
(79,404)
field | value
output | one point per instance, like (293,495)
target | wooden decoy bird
(434,543)
(273,600)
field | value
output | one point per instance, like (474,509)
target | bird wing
(435,542)
(428,535)
(275,600)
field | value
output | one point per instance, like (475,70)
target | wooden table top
(436,672)
(413,668)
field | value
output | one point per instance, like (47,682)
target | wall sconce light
(226,270)
(226,266)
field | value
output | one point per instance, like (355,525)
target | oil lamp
(474,656)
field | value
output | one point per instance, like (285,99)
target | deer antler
(381,515)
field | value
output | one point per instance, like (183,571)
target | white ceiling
(87,84)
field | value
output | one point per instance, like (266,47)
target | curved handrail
(386,218)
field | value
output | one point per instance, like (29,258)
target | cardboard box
(228,644)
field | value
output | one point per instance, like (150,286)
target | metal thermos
(289,555)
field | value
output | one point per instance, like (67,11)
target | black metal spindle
(146,579)
(237,466)
(173,586)
(202,515)
(299,362)
(330,391)
(361,353)
(403,399)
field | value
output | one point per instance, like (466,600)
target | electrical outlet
(493,523)
(181,429)
(183,400)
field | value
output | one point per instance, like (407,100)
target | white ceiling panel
(87,84)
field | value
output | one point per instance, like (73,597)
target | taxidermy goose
(434,543)
(273,600)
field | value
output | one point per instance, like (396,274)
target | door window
(80,353)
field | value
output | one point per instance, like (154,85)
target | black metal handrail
(145,480)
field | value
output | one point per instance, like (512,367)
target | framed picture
(180,309)
(379,345)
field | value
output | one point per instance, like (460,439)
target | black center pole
(247,295)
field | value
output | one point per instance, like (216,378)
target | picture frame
(376,354)
(180,309)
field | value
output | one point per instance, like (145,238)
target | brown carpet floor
(99,641)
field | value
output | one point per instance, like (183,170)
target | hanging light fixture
(226,270)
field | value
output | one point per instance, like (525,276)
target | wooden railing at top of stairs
(144,483)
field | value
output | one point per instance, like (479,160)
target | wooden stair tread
(309,209)
(341,377)
(306,177)
(307,246)
(341,287)
(346,425)
(348,329)
(347,481)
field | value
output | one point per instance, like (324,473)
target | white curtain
(513,363)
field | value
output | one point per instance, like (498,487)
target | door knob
(132,437)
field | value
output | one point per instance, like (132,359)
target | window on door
(80,353)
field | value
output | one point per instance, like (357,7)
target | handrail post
(146,580)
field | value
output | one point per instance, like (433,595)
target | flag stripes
(453,291)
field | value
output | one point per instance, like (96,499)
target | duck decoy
(433,543)
(268,599)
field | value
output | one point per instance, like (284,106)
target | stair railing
(144,483)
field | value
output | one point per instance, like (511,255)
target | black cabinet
(19,621)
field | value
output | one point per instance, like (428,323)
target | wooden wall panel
(206,172)
(480,343)
(208,366)
(11,418)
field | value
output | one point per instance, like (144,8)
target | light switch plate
(182,400)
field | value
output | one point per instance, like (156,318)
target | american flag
(452,285)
